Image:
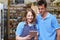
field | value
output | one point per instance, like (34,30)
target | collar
(47,16)
(31,24)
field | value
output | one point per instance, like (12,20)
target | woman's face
(29,17)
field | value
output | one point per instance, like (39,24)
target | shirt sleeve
(19,29)
(37,29)
(55,23)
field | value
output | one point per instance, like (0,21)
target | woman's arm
(19,38)
(23,38)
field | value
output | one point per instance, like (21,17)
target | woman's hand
(23,38)
(27,37)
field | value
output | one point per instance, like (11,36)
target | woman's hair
(33,13)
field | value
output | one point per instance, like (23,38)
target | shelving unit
(15,15)
(14,19)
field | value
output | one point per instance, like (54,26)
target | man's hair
(41,2)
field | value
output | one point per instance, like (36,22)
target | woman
(24,28)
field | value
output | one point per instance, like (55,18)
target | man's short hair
(41,2)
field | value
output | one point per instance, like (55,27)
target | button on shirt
(47,27)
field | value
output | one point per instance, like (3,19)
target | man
(48,27)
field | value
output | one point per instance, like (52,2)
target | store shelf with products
(4,24)
(15,16)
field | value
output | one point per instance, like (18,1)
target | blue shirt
(47,27)
(23,30)
(19,28)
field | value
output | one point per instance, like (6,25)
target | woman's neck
(28,22)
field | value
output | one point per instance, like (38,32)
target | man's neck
(44,15)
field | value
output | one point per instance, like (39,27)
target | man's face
(41,9)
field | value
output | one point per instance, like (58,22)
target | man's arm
(56,26)
(58,34)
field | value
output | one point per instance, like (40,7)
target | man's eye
(38,8)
